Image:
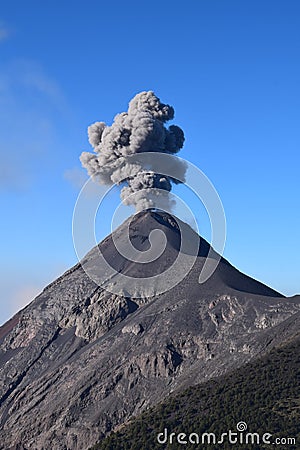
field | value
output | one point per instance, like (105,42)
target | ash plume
(139,130)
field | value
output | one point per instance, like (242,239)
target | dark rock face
(79,361)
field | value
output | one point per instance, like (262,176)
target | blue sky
(231,70)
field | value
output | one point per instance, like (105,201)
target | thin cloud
(27,128)
(16,298)
(4,32)
(24,295)
(13,177)
(76,177)
(20,286)
(29,76)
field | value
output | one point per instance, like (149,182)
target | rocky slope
(264,394)
(79,361)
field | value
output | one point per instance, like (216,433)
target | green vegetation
(264,393)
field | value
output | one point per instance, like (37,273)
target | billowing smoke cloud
(142,129)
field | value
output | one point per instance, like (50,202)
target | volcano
(81,360)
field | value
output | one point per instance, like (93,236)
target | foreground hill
(79,361)
(265,394)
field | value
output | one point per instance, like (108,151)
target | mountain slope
(79,361)
(265,394)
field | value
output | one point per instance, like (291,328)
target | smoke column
(139,130)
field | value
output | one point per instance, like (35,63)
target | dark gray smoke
(142,129)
